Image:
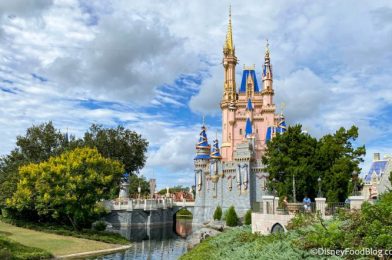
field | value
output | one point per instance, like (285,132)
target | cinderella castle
(233,175)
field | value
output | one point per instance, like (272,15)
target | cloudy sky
(154,67)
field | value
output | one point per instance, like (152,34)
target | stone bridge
(136,218)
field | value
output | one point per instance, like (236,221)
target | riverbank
(56,245)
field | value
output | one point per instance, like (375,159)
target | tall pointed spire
(229,46)
(267,53)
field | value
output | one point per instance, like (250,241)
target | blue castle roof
(245,74)
(378,167)
(202,146)
(249,105)
(215,153)
(272,130)
(248,127)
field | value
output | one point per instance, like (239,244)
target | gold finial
(229,36)
(267,51)
(282,107)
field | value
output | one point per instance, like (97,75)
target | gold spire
(229,36)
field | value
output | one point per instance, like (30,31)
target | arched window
(240,131)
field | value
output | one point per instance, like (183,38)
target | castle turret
(202,146)
(229,99)
(267,78)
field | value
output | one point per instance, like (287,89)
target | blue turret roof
(215,153)
(248,127)
(249,105)
(202,147)
(245,74)
(378,167)
(203,141)
(272,130)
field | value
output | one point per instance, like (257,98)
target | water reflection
(160,242)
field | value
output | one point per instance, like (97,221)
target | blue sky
(154,67)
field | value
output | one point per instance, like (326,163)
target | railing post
(320,205)
(268,204)
(276,203)
(356,202)
(145,204)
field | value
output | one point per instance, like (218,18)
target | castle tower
(228,102)
(234,175)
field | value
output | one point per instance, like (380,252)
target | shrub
(218,213)
(248,217)
(231,217)
(99,226)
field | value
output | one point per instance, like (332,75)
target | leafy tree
(292,155)
(174,189)
(67,187)
(218,213)
(296,154)
(231,217)
(40,142)
(336,160)
(119,144)
(134,182)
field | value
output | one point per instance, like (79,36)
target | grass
(56,244)
(102,236)
(13,250)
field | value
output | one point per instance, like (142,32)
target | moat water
(157,243)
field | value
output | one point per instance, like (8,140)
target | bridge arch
(277,228)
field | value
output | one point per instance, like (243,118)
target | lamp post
(355,187)
(319,194)
(294,195)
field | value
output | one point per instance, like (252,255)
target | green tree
(38,144)
(297,155)
(231,217)
(291,155)
(218,213)
(336,160)
(119,144)
(134,182)
(67,187)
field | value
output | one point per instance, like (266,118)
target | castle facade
(233,174)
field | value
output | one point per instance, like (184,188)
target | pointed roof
(244,80)
(281,125)
(215,153)
(248,127)
(203,141)
(249,106)
(229,36)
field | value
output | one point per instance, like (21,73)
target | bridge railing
(144,204)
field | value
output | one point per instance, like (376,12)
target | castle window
(240,131)
(257,131)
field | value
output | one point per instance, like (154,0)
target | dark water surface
(158,243)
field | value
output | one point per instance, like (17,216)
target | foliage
(53,228)
(299,155)
(44,141)
(369,228)
(119,144)
(174,189)
(302,220)
(99,225)
(134,182)
(66,188)
(39,143)
(218,213)
(183,213)
(248,217)
(231,217)
(240,243)
(13,250)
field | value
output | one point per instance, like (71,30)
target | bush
(99,225)
(231,217)
(218,213)
(248,217)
